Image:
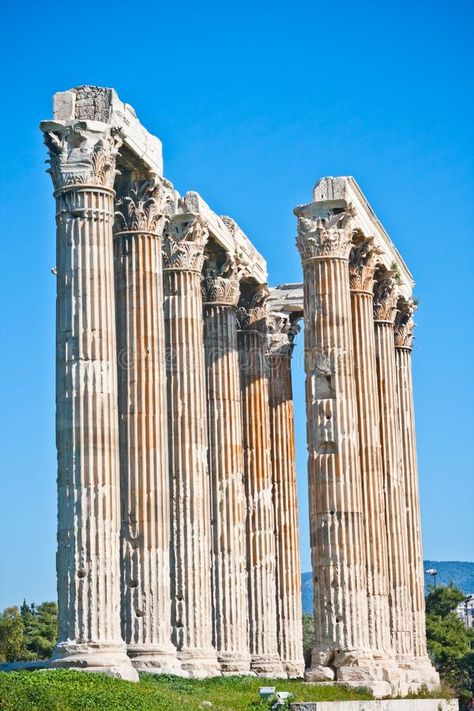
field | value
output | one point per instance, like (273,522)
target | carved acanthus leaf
(183,244)
(325,236)
(220,285)
(281,334)
(404,324)
(143,209)
(362,262)
(252,311)
(385,296)
(80,155)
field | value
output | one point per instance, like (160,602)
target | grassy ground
(77,691)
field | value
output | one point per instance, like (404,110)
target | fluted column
(385,297)
(335,485)
(146,609)
(187,436)
(403,347)
(82,166)
(361,271)
(220,292)
(282,438)
(258,486)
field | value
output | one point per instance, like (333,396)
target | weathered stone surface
(252,314)
(234,597)
(362,263)
(280,335)
(183,255)
(140,216)
(82,166)
(379,705)
(335,483)
(220,292)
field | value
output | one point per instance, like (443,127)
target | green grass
(63,690)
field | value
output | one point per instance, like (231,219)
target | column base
(294,670)
(233,664)
(154,659)
(267,665)
(198,663)
(110,659)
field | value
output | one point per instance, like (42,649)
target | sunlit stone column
(220,293)
(82,166)
(362,263)
(282,436)
(335,486)
(146,609)
(403,347)
(261,551)
(385,298)
(183,248)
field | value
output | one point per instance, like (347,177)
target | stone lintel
(228,234)
(94,103)
(287,299)
(340,193)
(379,705)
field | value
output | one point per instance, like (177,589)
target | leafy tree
(12,638)
(40,626)
(449,642)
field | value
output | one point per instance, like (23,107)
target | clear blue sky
(253,102)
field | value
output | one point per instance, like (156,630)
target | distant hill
(460,573)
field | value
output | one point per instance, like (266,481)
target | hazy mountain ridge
(461,573)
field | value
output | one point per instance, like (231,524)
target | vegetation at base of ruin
(28,632)
(450,643)
(64,690)
(308,637)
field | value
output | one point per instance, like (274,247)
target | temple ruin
(178,544)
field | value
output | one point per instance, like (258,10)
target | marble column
(252,313)
(146,610)
(385,298)
(191,615)
(220,293)
(362,264)
(82,159)
(282,436)
(337,519)
(403,347)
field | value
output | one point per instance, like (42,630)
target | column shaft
(335,484)
(228,510)
(288,569)
(258,487)
(403,338)
(88,567)
(394,490)
(146,609)
(362,264)
(189,474)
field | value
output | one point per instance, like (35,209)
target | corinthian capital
(362,263)
(385,295)
(81,153)
(404,323)
(324,236)
(220,285)
(252,311)
(280,334)
(183,245)
(143,209)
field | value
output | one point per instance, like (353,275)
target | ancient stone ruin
(178,547)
